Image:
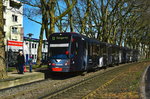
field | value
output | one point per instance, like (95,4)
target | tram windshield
(59,46)
(59,51)
(63,46)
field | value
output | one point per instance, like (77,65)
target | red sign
(15,43)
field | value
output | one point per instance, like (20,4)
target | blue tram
(73,52)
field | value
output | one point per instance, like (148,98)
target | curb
(142,87)
(15,81)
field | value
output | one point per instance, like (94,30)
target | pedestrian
(30,64)
(20,61)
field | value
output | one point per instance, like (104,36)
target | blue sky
(34,28)
(31,27)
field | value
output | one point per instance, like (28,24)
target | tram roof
(92,40)
(79,35)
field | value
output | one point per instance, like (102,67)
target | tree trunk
(46,13)
(52,17)
(3,73)
(39,52)
(83,22)
(70,17)
(44,26)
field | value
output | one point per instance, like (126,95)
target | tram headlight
(73,62)
(49,64)
(67,63)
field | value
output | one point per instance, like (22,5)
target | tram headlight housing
(67,63)
(49,64)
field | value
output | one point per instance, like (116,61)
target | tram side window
(112,50)
(90,49)
(101,50)
(98,50)
(104,50)
(74,49)
(94,50)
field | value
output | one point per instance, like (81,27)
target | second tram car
(73,52)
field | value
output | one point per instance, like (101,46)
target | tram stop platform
(15,79)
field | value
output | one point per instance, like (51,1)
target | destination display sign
(60,38)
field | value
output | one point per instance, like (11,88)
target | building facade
(14,34)
(13,29)
(13,20)
(30,47)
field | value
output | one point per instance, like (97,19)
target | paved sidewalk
(15,79)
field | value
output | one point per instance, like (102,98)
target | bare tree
(114,21)
(47,10)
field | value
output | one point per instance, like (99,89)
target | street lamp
(30,35)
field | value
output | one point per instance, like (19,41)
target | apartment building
(30,47)
(14,34)
(13,23)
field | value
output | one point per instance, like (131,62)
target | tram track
(70,88)
(82,88)
(37,89)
